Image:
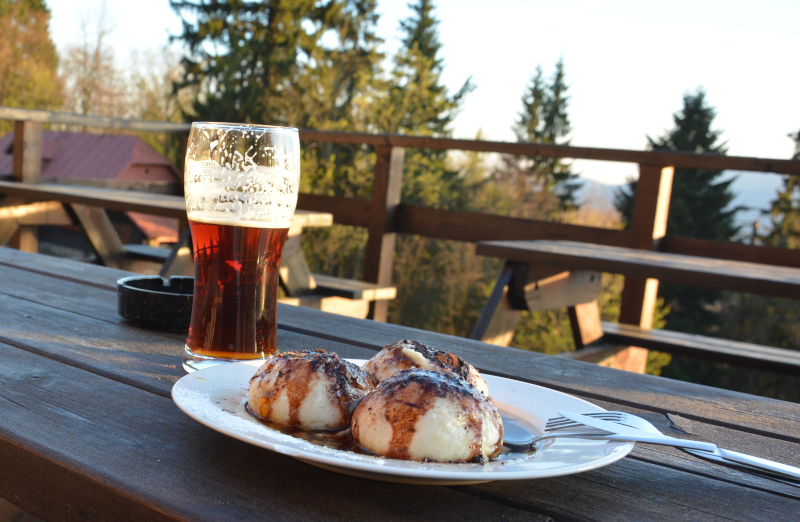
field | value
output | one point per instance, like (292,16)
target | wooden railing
(385,215)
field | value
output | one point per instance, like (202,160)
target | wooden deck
(384,215)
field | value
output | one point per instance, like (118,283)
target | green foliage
(268,62)
(757,319)
(417,103)
(544,119)
(289,62)
(699,208)
(784,212)
(28,59)
(442,285)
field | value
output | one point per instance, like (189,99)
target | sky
(628,64)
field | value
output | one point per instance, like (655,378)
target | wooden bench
(540,275)
(34,203)
(349,297)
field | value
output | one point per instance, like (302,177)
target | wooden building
(103,160)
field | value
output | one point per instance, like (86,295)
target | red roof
(77,155)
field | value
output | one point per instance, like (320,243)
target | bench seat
(700,347)
(349,297)
(353,288)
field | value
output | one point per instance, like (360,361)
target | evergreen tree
(417,103)
(766,320)
(289,62)
(784,214)
(699,208)
(284,62)
(544,119)
(28,59)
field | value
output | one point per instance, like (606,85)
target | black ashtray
(155,302)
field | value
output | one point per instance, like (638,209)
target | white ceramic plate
(215,397)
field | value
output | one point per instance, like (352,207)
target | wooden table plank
(156,362)
(165,205)
(102,452)
(358,338)
(739,276)
(111,454)
(111,199)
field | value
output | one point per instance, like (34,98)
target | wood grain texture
(354,289)
(678,159)
(706,348)
(110,199)
(126,462)
(714,273)
(379,251)
(748,412)
(356,338)
(87,418)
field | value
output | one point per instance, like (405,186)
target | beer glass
(241,184)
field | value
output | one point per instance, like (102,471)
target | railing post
(648,225)
(27,168)
(379,254)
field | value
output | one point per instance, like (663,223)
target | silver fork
(774,470)
(518,436)
(530,441)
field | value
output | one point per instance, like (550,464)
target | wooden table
(545,275)
(776,281)
(88,429)
(39,203)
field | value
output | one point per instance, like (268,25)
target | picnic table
(89,429)
(32,203)
(549,274)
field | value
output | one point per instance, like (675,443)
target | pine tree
(289,62)
(784,212)
(699,208)
(28,58)
(417,103)
(272,61)
(544,119)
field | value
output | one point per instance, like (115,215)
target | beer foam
(257,196)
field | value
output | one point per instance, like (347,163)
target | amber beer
(240,184)
(235,284)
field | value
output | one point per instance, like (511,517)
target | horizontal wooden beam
(106,122)
(657,158)
(37,213)
(477,226)
(737,276)
(706,348)
(121,200)
(346,211)
(731,251)
(153,187)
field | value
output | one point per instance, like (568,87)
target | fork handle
(662,440)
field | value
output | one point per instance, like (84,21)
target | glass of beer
(241,184)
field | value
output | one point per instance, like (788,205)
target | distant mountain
(753,190)
(596,194)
